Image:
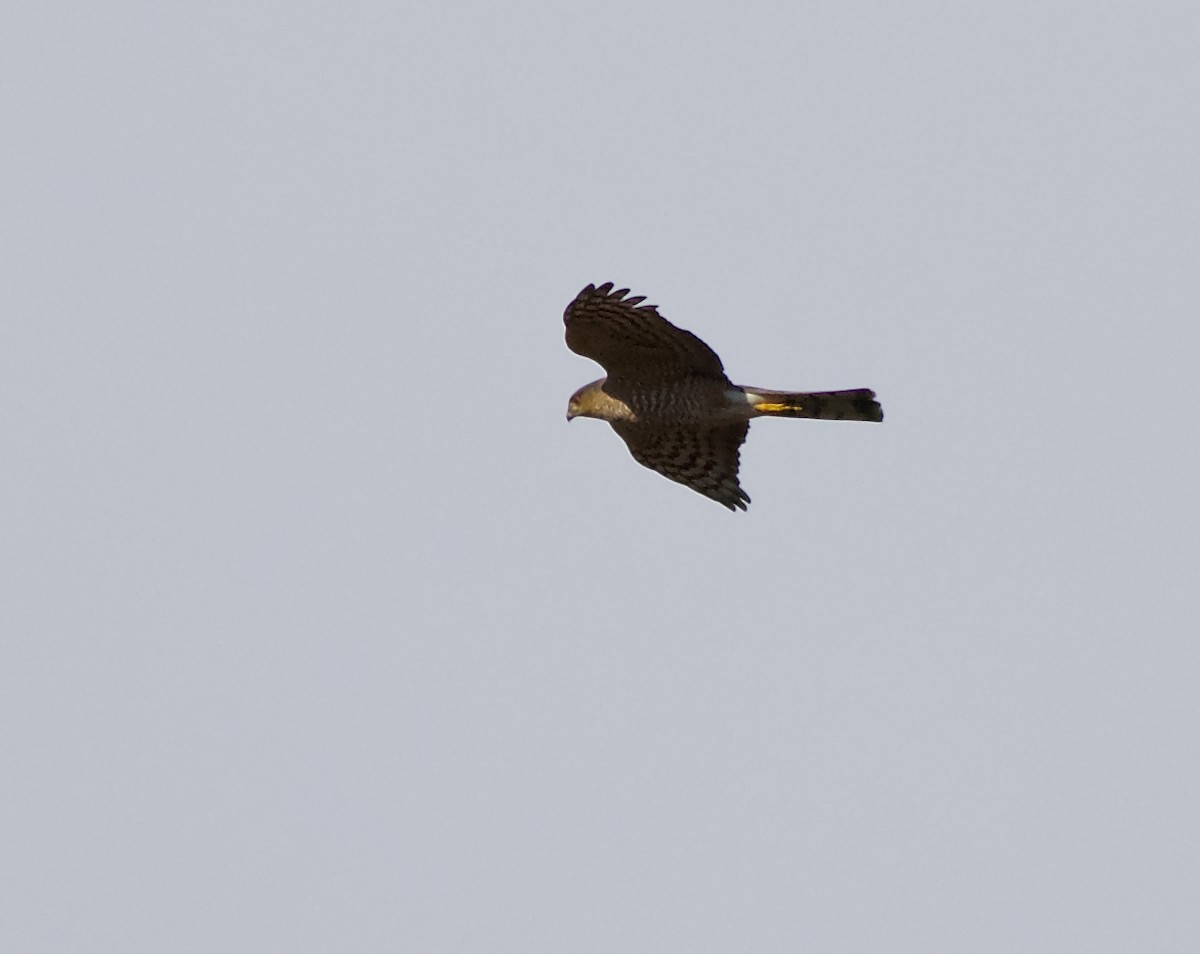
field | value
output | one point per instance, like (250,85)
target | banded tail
(856,405)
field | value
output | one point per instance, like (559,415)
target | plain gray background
(323,631)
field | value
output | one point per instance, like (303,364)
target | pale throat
(601,404)
(593,401)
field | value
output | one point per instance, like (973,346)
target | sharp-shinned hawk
(667,396)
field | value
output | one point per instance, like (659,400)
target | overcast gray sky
(323,631)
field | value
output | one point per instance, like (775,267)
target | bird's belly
(685,403)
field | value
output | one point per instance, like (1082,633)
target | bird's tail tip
(858,404)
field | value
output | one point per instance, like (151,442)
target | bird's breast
(680,402)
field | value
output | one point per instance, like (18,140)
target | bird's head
(585,402)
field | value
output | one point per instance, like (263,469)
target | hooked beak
(570,416)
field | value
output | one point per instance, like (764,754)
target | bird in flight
(667,396)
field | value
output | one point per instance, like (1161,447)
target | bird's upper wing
(632,340)
(703,458)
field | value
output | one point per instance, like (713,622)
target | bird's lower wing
(702,458)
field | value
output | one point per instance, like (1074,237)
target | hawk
(667,396)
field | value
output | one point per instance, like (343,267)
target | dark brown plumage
(667,396)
